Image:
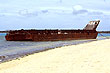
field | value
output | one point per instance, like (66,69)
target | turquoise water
(2,37)
(104,34)
(2,34)
(14,49)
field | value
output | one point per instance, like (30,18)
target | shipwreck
(89,32)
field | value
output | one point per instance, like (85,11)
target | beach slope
(92,57)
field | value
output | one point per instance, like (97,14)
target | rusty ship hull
(89,32)
(50,35)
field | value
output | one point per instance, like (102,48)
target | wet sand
(92,57)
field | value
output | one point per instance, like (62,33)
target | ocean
(14,49)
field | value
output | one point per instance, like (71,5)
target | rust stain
(89,32)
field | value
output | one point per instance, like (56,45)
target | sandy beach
(92,57)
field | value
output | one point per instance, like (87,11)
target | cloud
(26,13)
(4,14)
(78,7)
(44,11)
(79,12)
(87,12)
(95,13)
(76,10)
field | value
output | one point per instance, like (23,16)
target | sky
(53,14)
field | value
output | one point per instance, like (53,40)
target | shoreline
(7,58)
(92,57)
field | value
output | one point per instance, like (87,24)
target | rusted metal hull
(89,32)
(50,35)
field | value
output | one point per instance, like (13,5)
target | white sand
(93,57)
